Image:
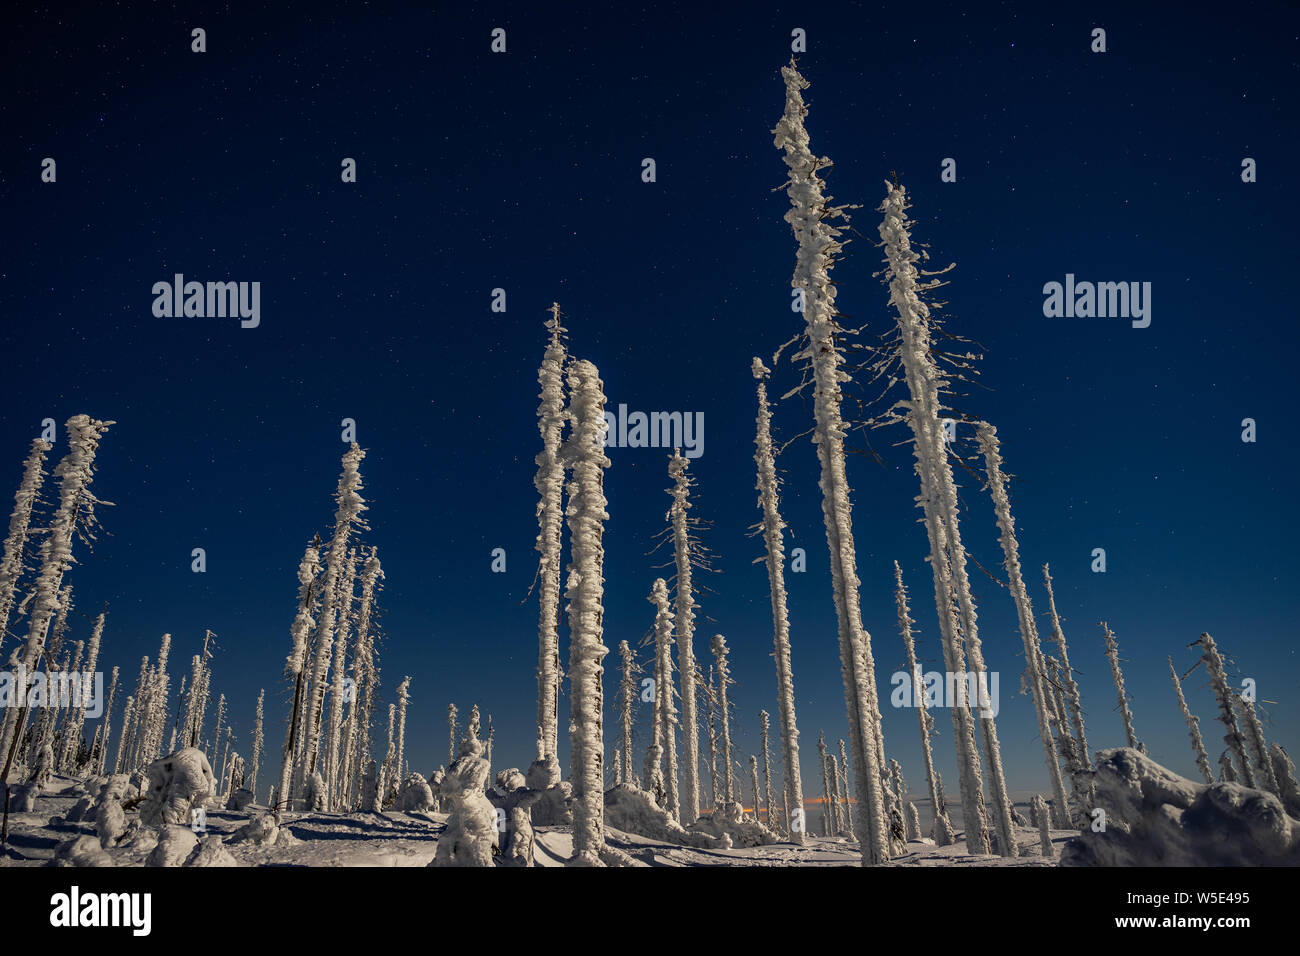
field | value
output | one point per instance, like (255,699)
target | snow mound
(81,851)
(1156,818)
(260,829)
(177,783)
(175,843)
(633,810)
(730,821)
(471,834)
(210,852)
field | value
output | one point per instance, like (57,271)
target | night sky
(522,171)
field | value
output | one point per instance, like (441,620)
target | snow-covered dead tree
(941,832)
(753,773)
(1193,727)
(1126,715)
(938,499)
(388,772)
(665,713)
(108,722)
(627,695)
(72,738)
(451,734)
(837,820)
(720,652)
(1226,772)
(259,743)
(365,670)
(347,519)
(549,482)
(828,825)
(334,736)
(74,516)
(1255,743)
(987,438)
(123,739)
(1284,771)
(773,531)
(711,704)
(811,219)
(846,807)
(221,716)
(404,698)
(1073,699)
(585,456)
(11,562)
(226,751)
(764,723)
(295,668)
(687,554)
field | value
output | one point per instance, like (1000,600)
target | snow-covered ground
(411,839)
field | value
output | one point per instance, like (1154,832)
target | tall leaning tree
(549,482)
(987,438)
(11,563)
(74,515)
(938,499)
(773,530)
(812,220)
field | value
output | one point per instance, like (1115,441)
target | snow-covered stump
(773,530)
(665,714)
(1041,818)
(11,562)
(555,806)
(913,823)
(414,795)
(1156,818)
(938,499)
(471,833)
(684,606)
(586,514)
(549,482)
(1193,727)
(811,219)
(1126,715)
(987,439)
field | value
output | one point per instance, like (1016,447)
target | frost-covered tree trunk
(258,743)
(710,702)
(942,827)
(108,722)
(938,501)
(665,713)
(11,563)
(334,736)
(586,514)
(764,722)
(810,218)
(451,734)
(549,482)
(294,668)
(76,509)
(627,695)
(92,663)
(1126,715)
(1193,727)
(1038,811)
(846,807)
(837,821)
(347,518)
(404,698)
(1074,701)
(367,675)
(753,773)
(684,618)
(128,712)
(221,716)
(773,528)
(1256,744)
(389,769)
(720,652)
(987,438)
(828,808)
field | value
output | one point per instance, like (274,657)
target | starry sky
(522,171)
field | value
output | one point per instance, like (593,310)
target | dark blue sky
(522,171)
